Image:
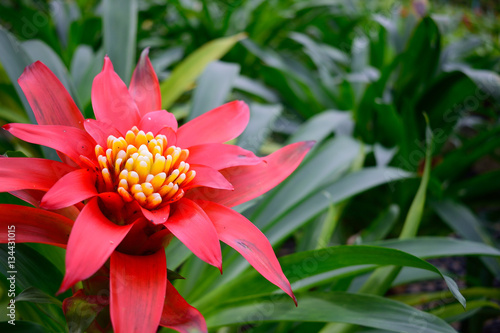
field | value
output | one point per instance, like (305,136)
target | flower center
(144,168)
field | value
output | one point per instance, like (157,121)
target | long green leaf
(366,310)
(14,59)
(213,87)
(22,327)
(338,191)
(120,30)
(185,74)
(466,224)
(300,265)
(260,126)
(33,270)
(329,163)
(307,209)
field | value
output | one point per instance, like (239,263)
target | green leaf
(255,88)
(365,310)
(318,170)
(488,81)
(22,327)
(420,59)
(85,65)
(184,74)
(412,221)
(338,191)
(434,247)
(14,59)
(453,312)
(213,87)
(35,295)
(300,265)
(422,298)
(260,126)
(307,209)
(320,126)
(465,223)
(173,275)
(16,153)
(379,228)
(12,116)
(33,270)
(120,30)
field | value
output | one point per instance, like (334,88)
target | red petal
(170,134)
(157,216)
(33,197)
(243,236)
(251,181)
(137,288)
(221,156)
(74,187)
(20,173)
(90,244)
(155,121)
(216,126)
(191,225)
(179,315)
(208,177)
(69,140)
(111,100)
(100,131)
(33,225)
(144,86)
(50,101)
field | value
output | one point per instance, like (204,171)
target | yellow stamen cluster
(143,167)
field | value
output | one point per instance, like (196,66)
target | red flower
(131,180)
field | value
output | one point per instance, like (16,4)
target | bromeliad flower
(131,180)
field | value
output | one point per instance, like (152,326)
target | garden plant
(249,166)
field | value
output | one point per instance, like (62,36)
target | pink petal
(216,126)
(33,225)
(253,180)
(189,223)
(170,134)
(137,288)
(144,86)
(243,236)
(50,101)
(208,177)
(155,121)
(100,131)
(71,141)
(220,156)
(20,173)
(179,315)
(157,216)
(111,100)
(72,188)
(90,244)
(33,197)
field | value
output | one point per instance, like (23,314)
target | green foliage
(355,76)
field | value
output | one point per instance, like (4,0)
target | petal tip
(64,286)
(145,53)
(107,65)
(310,143)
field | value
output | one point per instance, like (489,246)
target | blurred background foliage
(357,77)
